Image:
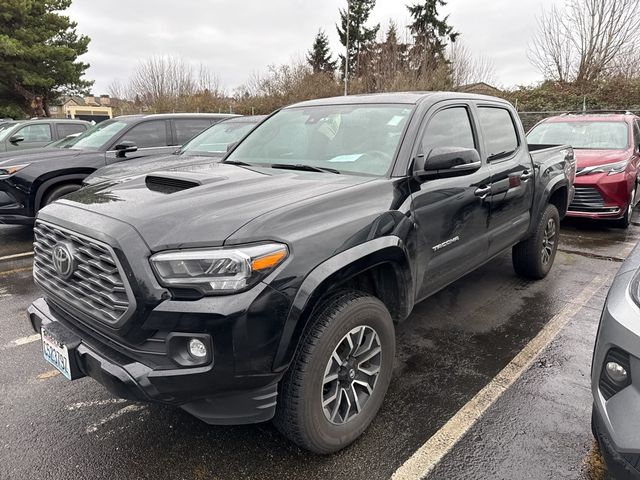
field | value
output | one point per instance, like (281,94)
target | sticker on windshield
(346,158)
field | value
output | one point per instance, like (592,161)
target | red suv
(607,152)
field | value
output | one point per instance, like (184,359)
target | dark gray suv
(615,373)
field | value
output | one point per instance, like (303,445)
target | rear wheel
(340,374)
(533,257)
(58,192)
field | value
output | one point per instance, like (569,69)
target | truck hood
(217,201)
(40,155)
(589,158)
(129,168)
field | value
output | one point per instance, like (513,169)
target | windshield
(347,138)
(97,136)
(6,129)
(585,135)
(217,138)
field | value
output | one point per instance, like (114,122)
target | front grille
(96,286)
(587,199)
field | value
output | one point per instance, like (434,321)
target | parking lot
(491,381)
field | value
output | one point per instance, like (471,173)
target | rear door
(512,176)
(65,129)
(184,129)
(152,137)
(450,214)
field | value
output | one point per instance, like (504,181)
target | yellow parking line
(15,270)
(424,460)
(47,375)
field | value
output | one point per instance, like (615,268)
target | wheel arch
(379,267)
(46,185)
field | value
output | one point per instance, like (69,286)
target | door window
(66,129)
(500,132)
(636,134)
(147,134)
(448,128)
(187,128)
(40,132)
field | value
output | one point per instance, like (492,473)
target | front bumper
(616,418)
(214,397)
(13,208)
(601,196)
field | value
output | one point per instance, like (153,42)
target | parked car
(29,134)
(28,182)
(267,285)
(607,149)
(614,373)
(212,143)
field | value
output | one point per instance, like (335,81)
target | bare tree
(467,68)
(583,41)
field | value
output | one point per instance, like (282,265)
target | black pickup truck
(267,286)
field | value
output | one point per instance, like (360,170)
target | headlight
(218,270)
(609,169)
(6,172)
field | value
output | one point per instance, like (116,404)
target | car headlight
(221,270)
(609,168)
(6,172)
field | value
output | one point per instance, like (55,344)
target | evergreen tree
(430,35)
(360,36)
(39,49)
(319,57)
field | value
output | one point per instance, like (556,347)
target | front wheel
(533,257)
(340,374)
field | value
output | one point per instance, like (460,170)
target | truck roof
(410,98)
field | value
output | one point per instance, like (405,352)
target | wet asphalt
(452,345)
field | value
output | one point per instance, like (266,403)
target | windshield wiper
(237,162)
(304,168)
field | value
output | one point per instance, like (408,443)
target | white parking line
(423,461)
(128,409)
(16,255)
(23,341)
(94,403)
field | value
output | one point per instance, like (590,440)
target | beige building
(83,108)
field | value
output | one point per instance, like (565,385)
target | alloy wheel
(548,241)
(351,374)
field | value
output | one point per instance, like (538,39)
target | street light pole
(346,56)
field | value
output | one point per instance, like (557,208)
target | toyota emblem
(62,260)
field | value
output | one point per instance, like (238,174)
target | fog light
(616,372)
(198,349)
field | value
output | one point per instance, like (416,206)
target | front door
(451,214)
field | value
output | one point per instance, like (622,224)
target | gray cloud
(237,38)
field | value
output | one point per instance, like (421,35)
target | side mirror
(448,161)
(125,147)
(16,139)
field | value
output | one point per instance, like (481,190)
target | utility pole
(346,56)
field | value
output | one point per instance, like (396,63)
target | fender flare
(44,186)
(340,268)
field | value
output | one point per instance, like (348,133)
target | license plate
(55,353)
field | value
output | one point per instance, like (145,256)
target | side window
(636,134)
(147,134)
(499,132)
(66,129)
(187,128)
(39,132)
(448,128)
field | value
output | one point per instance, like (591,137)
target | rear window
(582,135)
(66,129)
(501,138)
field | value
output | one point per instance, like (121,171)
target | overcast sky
(235,38)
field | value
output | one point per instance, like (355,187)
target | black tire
(300,414)
(58,192)
(625,221)
(533,257)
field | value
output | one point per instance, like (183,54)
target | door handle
(482,192)
(526,175)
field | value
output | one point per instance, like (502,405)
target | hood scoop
(169,183)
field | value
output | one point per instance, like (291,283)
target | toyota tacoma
(267,286)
